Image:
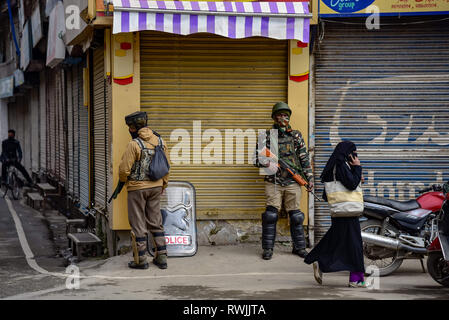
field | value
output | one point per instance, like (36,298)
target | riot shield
(178,209)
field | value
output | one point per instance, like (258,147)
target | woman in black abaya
(341,247)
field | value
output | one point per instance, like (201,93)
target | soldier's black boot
(269,219)
(297,232)
(267,254)
(143,263)
(161,261)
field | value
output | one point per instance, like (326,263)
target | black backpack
(159,166)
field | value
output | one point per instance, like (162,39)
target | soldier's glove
(310,186)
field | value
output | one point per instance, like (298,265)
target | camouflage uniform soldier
(279,184)
(144,195)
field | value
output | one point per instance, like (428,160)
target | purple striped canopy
(277,20)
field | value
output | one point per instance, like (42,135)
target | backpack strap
(159,137)
(140,143)
(156,134)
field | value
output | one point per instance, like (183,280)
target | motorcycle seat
(398,205)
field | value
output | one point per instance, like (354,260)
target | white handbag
(342,201)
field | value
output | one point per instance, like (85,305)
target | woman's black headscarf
(341,152)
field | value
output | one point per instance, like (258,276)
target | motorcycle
(398,230)
(438,250)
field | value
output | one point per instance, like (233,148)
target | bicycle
(13,182)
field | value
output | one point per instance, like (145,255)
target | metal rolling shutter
(388,92)
(24,128)
(83,144)
(61,128)
(42,123)
(70,132)
(227,84)
(109,172)
(51,123)
(100,127)
(77,100)
(58,139)
(34,124)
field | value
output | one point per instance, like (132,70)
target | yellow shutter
(225,84)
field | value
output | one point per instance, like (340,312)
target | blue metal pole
(12,28)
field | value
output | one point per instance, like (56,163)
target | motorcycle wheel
(386,266)
(438,268)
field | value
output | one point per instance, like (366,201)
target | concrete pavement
(234,272)
(215,272)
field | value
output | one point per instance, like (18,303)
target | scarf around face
(286,128)
(338,157)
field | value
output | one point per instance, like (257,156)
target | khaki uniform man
(144,195)
(280,187)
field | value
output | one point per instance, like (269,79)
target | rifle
(284,165)
(117,190)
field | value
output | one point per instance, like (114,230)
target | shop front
(387,90)
(208,74)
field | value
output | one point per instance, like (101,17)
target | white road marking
(33,264)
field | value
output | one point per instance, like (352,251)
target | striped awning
(277,20)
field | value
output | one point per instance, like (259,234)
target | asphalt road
(215,272)
(16,276)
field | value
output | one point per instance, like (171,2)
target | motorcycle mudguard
(444,243)
(435,245)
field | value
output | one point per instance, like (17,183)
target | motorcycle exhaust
(390,243)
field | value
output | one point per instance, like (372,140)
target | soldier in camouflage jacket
(280,187)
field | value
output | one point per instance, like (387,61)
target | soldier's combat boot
(269,219)
(140,260)
(297,232)
(267,254)
(161,261)
(142,264)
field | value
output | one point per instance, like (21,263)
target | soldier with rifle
(286,173)
(144,191)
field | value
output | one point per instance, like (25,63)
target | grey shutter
(84,144)
(70,132)
(388,92)
(100,131)
(42,123)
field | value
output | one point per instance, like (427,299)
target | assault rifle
(117,190)
(284,165)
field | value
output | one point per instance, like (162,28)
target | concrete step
(35,196)
(46,187)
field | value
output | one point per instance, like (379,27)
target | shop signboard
(19,78)
(56,31)
(36,26)
(7,87)
(358,8)
(25,50)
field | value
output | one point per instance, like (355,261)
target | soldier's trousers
(144,214)
(276,194)
(290,196)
